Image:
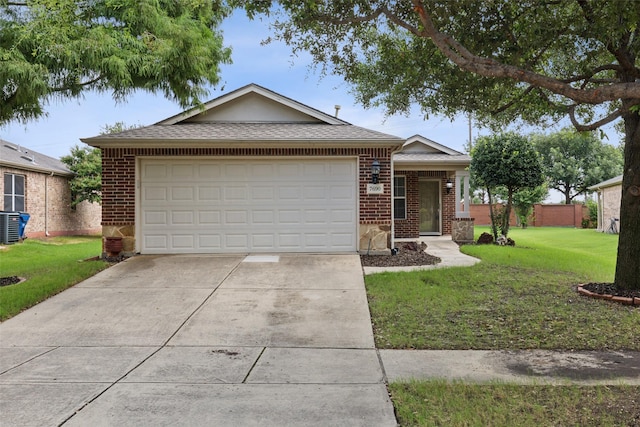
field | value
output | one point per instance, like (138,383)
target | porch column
(462,194)
(462,225)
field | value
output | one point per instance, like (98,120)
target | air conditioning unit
(9,227)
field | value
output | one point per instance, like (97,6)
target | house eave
(32,168)
(200,143)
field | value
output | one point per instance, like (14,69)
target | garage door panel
(182,171)
(263,217)
(154,171)
(155,218)
(204,206)
(342,216)
(289,192)
(262,193)
(209,171)
(182,241)
(209,194)
(289,217)
(209,217)
(209,241)
(182,217)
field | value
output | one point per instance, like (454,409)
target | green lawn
(517,298)
(438,403)
(520,297)
(50,266)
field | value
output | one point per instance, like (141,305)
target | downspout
(393,222)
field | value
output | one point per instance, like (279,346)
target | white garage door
(213,206)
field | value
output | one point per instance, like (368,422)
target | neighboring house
(254,171)
(609,198)
(39,185)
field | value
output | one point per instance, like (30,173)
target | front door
(429,194)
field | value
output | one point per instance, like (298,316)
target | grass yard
(520,297)
(50,266)
(438,403)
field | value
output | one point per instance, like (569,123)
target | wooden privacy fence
(547,215)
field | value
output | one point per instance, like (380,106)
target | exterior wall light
(375,171)
(449,185)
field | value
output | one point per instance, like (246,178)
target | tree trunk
(507,213)
(628,263)
(567,197)
(494,227)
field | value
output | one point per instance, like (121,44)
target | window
(399,197)
(13,192)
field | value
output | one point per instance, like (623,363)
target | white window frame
(11,192)
(397,197)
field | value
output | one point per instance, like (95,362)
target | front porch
(431,192)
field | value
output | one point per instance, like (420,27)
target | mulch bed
(610,289)
(409,253)
(11,280)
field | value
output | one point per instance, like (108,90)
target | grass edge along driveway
(50,266)
(516,298)
(520,297)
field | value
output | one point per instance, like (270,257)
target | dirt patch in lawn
(408,253)
(11,280)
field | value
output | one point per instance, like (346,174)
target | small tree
(507,160)
(524,199)
(86,164)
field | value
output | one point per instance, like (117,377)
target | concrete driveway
(199,340)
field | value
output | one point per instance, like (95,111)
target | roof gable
(420,145)
(19,157)
(253,104)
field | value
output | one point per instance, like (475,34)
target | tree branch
(511,103)
(487,67)
(87,83)
(595,125)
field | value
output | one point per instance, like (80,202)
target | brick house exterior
(609,198)
(147,171)
(42,190)
(422,160)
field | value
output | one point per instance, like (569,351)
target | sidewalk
(516,366)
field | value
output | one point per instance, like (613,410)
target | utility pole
(470,140)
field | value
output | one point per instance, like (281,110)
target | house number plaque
(375,188)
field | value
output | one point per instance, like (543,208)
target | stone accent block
(127,232)
(374,239)
(462,230)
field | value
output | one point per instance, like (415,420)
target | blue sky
(270,66)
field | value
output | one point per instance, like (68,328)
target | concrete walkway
(199,341)
(442,247)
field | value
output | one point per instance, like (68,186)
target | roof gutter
(30,168)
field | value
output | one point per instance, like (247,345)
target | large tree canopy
(62,48)
(501,60)
(574,161)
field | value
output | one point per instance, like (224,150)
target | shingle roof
(228,132)
(20,157)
